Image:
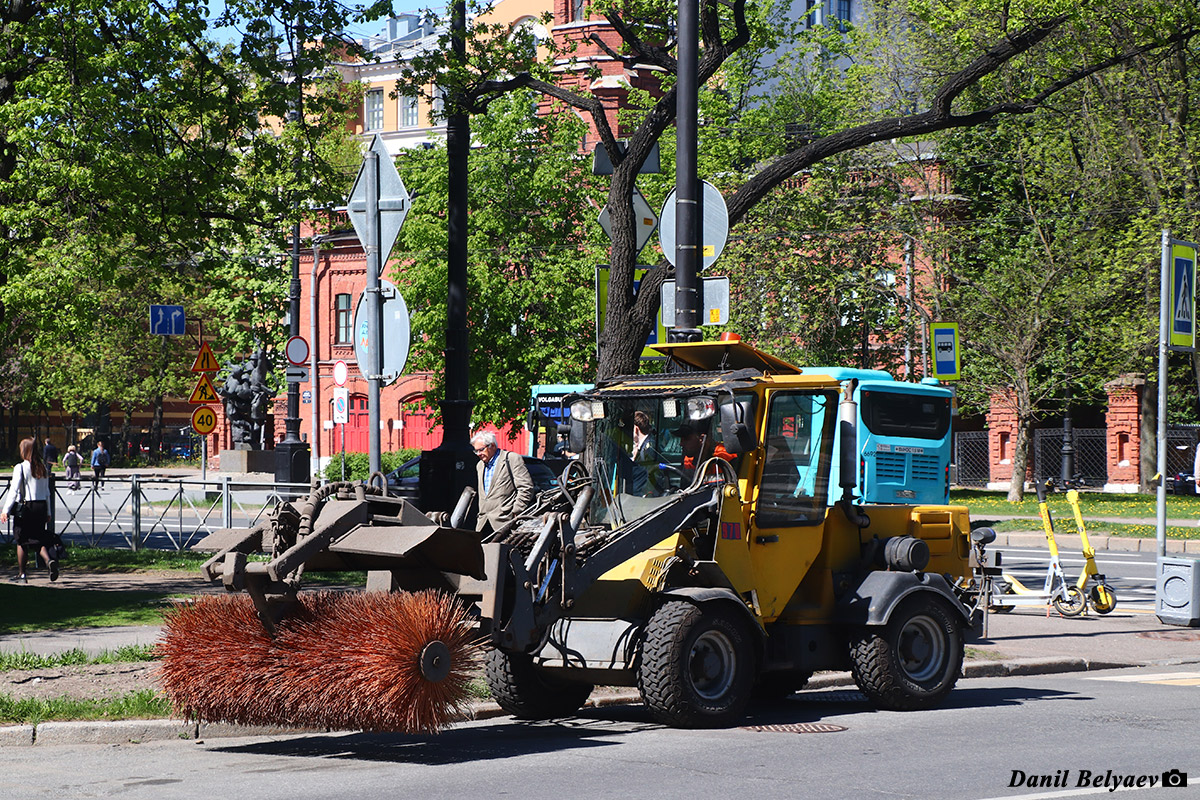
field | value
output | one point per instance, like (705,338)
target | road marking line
(1152,678)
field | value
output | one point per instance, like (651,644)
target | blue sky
(215,7)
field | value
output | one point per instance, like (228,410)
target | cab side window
(795,472)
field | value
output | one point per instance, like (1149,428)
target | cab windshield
(645,449)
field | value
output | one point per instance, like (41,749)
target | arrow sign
(393,202)
(167,320)
(204,392)
(205,361)
(297,374)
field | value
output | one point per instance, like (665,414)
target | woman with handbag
(27,501)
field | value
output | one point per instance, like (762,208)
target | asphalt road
(827,744)
(1130,575)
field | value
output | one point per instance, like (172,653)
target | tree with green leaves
(939,67)
(136,156)
(532,249)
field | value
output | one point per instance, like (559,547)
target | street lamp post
(291,454)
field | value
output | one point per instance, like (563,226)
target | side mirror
(574,431)
(736,436)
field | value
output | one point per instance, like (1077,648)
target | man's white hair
(485,438)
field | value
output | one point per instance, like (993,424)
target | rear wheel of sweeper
(697,666)
(914,660)
(527,691)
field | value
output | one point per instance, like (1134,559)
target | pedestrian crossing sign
(1183,297)
(204,392)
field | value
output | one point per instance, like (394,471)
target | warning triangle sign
(204,392)
(205,361)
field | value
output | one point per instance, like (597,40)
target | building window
(843,13)
(577,14)
(812,13)
(343,320)
(373,113)
(408,112)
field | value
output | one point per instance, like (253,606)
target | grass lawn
(1136,507)
(25,608)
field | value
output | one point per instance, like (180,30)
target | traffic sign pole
(374,310)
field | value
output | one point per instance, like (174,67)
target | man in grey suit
(505,488)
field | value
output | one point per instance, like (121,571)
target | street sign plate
(296,351)
(340,372)
(395,333)
(714,301)
(204,420)
(714,231)
(204,392)
(205,360)
(341,404)
(644,220)
(393,202)
(306,396)
(946,353)
(167,320)
(297,374)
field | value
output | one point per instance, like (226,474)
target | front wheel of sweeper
(697,668)
(527,691)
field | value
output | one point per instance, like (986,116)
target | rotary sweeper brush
(747,546)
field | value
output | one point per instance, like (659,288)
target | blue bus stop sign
(946,353)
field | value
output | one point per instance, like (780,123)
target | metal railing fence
(158,513)
(971,457)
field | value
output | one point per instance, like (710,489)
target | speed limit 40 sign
(204,420)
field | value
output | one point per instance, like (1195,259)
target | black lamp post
(292,454)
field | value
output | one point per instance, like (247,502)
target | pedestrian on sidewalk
(29,494)
(99,464)
(49,454)
(505,486)
(72,461)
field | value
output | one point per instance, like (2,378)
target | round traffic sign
(714,227)
(297,351)
(204,420)
(340,372)
(395,339)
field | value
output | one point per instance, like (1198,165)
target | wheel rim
(921,649)
(711,665)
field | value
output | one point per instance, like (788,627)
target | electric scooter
(1008,592)
(1102,598)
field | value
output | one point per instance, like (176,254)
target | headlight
(699,408)
(587,410)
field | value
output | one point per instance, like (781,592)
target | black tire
(528,692)
(1104,599)
(697,666)
(914,660)
(1074,605)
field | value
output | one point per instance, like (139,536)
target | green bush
(358,464)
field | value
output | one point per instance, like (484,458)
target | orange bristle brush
(347,661)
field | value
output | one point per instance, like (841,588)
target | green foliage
(531,257)
(109,559)
(75,657)
(358,465)
(142,704)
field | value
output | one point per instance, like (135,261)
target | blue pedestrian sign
(1183,296)
(167,320)
(943,336)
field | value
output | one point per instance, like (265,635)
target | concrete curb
(1100,543)
(158,730)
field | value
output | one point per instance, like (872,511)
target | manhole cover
(798,727)
(836,696)
(1172,636)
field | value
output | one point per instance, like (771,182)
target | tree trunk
(156,431)
(1148,462)
(1020,462)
